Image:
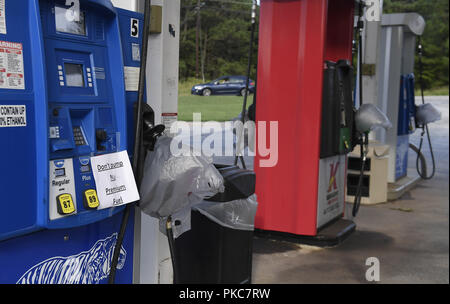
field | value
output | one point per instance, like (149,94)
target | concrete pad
(409,236)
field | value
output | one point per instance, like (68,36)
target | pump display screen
(85,169)
(74,75)
(60,172)
(66,21)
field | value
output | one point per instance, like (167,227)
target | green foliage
(225,27)
(224,36)
(435,39)
(185,86)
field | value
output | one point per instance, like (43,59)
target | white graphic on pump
(87,267)
(73,13)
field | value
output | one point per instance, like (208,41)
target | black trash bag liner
(239,183)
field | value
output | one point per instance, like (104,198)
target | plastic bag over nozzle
(427,113)
(369,117)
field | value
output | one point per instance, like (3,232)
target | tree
(224,33)
(435,39)
(221,38)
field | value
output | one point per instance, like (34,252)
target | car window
(236,80)
(223,80)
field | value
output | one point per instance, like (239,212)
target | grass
(212,108)
(185,86)
(224,108)
(442,91)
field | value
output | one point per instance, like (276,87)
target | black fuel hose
(423,162)
(364,138)
(169,232)
(421,172)
(358,194)
(247,81)
(425,129)
(137,141)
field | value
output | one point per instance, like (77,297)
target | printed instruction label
(99,73)
(114,179)
(131,78)
(168,119)
(13,116)
(2,17)
(136,52)
(11,66)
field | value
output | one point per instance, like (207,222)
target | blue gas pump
(406,123)
(131,29)
(63,99)
(407,107)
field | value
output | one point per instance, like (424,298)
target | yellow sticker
(65,204)
(346,144)
(91,199)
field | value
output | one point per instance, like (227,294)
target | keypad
(78,136)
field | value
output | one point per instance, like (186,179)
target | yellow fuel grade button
(91,199)
(65,204)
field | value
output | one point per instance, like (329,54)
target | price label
(65,204)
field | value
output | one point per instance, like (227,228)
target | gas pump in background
(305,64)
(302,198)
(388,81)
(63,100)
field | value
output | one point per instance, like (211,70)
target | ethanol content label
(11,66)
(13,116)
(2,17)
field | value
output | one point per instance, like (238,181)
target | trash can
(218,248)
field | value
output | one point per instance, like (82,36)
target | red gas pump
(304,83)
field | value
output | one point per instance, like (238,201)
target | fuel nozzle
(150,131)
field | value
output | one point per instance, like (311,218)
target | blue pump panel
(78,255)
(407,108)
(62,100)
(401,156)
(131,29)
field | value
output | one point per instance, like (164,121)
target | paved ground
(410,236)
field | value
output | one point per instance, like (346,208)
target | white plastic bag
(369,117)
(237,214)
(427,113)
(173,183)
(181,222)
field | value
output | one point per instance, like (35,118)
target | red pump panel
(339,30)
(292,49)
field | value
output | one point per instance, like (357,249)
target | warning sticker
(131,78)
(168,119)
(13,116)
(2,17)
(136,51)
(11,66)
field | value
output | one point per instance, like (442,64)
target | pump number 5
(134,32)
